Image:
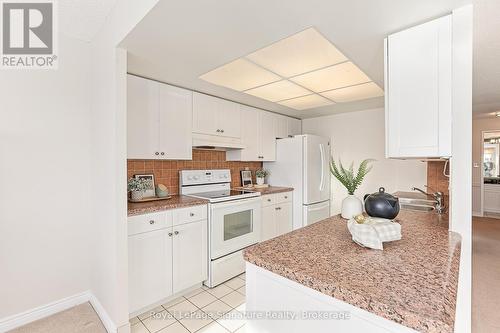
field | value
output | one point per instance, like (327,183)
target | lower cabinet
(167,253)
(276,215)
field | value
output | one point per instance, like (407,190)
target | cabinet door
(267,137)
(418,91)
(175,123)
(229,119)
(205,113)
(190,256)
(250,133)
(280,126)
(269,229)
(294,126)
(283,218)
(150,268)
(142,118)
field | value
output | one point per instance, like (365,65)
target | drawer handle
(269,200)
(157,153)
(278,208)
(169,234)
(152,222)
(176,232)
(191,214)
(286,197)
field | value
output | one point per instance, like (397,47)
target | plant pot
(260,180)
(137,195)
(351,206)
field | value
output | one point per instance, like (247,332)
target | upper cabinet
(159,118)
(418,87)
(216,116)
(294,126)
(257,135)
(285,127)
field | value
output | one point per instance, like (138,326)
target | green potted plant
(351,205)
(137,186)
(260,176)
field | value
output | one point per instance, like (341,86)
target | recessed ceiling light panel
(333,77)
(278,91)
(306,102)
(240,75)
(354,93)
(300,53)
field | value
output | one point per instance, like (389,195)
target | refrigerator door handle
(322,154)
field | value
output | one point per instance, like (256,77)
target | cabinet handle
(170,234)
(191,214)
(222,131)
(218,130)
(269,200)
(162,153)
(176,232)
(278,208)
(286,196)
(152,222)
(157,153)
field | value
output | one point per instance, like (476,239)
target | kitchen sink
(417,204)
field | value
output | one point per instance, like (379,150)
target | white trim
(482,169)
(109,325)
(23,318)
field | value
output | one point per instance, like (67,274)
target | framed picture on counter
(150,192)
(246,178)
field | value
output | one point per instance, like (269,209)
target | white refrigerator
(302,162)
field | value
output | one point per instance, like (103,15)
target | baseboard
(12,322)
(9,323)
(109,325)
(477,214)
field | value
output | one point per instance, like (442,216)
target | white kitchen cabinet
(492,198)
(168,253)
(150,268)
(268,137)
(280,126)
(294,126)
(276,215)
(257,135)
(418,86)
(159,119)
(189,255)
(215,116)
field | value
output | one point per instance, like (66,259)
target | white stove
(234,220)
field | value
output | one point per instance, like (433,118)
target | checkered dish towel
(374,232)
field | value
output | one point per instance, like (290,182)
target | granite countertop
(177,201)
(269,190)
(413,281)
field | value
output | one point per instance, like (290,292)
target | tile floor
(217,310)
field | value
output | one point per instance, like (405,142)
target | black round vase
(381,204)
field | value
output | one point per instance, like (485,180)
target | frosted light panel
(303,52)
(354,93)
(306,102)
(240,75)
(278,91)
(337,76)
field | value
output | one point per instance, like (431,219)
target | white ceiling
(82,19)
(180,40)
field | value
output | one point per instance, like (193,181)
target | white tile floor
(217,310)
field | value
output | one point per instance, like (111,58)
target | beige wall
(478,126)
(356,136)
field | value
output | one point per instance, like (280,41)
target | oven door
(234,225)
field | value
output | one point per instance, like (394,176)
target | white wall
(478,126)
(108,271)
(356,136)
(44,181)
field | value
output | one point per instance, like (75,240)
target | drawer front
(283,197)
(190,214)
(268,200)
(149,222)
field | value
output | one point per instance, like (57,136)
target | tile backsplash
(167,172)
(436,180)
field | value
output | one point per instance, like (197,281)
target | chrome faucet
(438,198)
